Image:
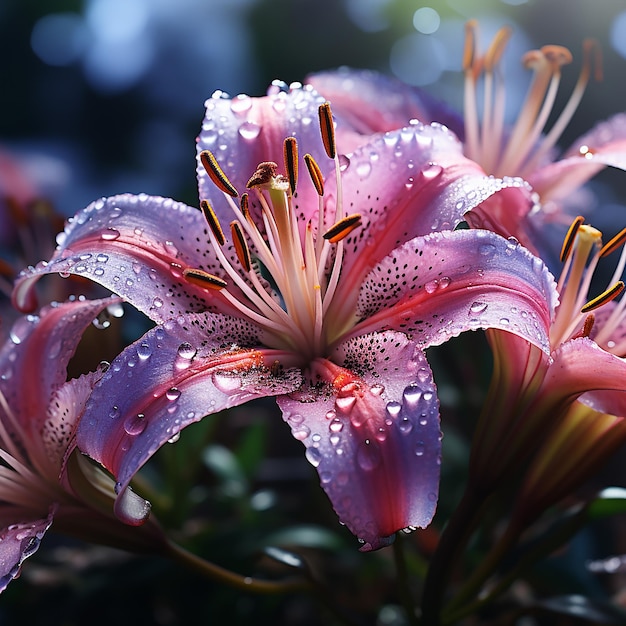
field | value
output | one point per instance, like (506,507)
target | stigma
(280,274)
(520,151)
(578,314)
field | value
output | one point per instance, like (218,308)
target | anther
(592,57)
(212,221)
(568,242)
(290,149)
(469,51)
(315,173)
(557,55)
(588,325)
(327,129)
(342,228)
(204,279)
(263,175)
(497,47)
(606,296)
(241,247)
(244,204)
(614,243)
(216,174)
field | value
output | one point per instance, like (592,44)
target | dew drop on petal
(186,351)
(431,286)
(477,307)
(172,394)
(363,169)
(174,438)
(225,382)
(420,448)
(249,130)
(405,426)
(412,395)
(313,456)
(110,234)
(377,389)
(345,404)
(393,408)
(135,424)
(336,425)
(487,250)
(301,432)
(144,350)
(368,455)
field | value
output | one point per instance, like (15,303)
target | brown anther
(276,368)
(342,228)
(327,129)
(606,296)
(315,173)
(241,247)
(568,242)
(204,279)
(212,221)
(497,47)
(263,175)
(469,50)
(245,206)
(533,59)
(614,243)
(592,58)
(290,150)
(557,55)
(588,325)
(216,174)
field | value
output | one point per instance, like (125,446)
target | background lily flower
(39,412)
(374,103)
(324,296)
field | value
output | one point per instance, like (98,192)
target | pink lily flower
(39,412)
(372,103)
(324,295)
(572,400)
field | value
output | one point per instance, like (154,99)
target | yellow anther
(497,47)
(315,173)
(606,296)
(241,247)
(614,243)
(290,149)
(327,129)
(469,51)
(570,237)
(212,221)
(342,228)
(204,279)
(216,174)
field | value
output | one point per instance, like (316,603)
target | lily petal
(374,437)
(436,287)
(17,543)
(184,372)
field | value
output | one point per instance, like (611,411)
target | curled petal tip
(131,508)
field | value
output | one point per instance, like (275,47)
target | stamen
(469,51)
(588,325)
(263,175)
(497,47)
(613,244)
(315,173)
(212,221)
(570,237)
(204,279)
(327,129)
(604,297)
(241,247)
(342,228)
(290,148)
(216,174)
(244,204)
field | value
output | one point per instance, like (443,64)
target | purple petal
(138,247)
(371,102)
(435,287)
(242,132)
(173,376)
(17,542)
(373,435)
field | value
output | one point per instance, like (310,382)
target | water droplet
(331,414)
(174,438)
(135,424)
(110,234)
(368,455)
(377,389)
(241,104)
(345,404)
(444,282)
(172,394)
(405,426)
(249,130)
(505,321)
(22,327)
(325,477)
(477,307)
(114,412)
(102,258)
(363,169)
(423,374)
(393,408)
(186,351)
(432,497)
(344,162)
(157,303)
(381,434)
(420,447)
(313,456)
(226,382)
(102,320)
(412,395)
(428,396)
(301,432)
(409,183)
(334,439)
(431,286)
(336,425)
(432,170)
(144,350)
(487,250)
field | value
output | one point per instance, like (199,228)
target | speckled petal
(174,375)
(435,287)
(33,364)
(407,183)
(17,542)
(373,435)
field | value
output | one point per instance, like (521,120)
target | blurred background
(106,96)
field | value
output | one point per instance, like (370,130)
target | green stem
(452,543)
(404,587)
(224,576)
